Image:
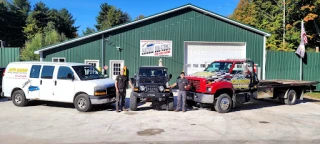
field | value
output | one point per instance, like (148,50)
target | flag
(304,40)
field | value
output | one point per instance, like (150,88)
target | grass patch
(313,94)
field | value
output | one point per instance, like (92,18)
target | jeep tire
(170,104)
(190,103)
(82,103)
(223,103)
(133,102)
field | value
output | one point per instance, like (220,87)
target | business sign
(156,48)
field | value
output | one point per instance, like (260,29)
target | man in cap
(183,85)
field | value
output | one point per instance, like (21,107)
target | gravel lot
(262,122)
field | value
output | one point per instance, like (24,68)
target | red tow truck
(227,82)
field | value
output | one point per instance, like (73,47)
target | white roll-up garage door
(199,54)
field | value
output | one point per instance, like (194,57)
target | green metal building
(185,38)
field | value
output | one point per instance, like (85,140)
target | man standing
(182,83)
(121,86)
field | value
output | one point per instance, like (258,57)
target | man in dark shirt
(182,83)
(121,86)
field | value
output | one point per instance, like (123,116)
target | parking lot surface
(262,122)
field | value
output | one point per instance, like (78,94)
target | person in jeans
(182,83)
(121,86)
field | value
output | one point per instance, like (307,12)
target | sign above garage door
(157,48)
(198,55)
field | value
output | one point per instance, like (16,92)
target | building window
(202,65)
(195,65)
(58,59)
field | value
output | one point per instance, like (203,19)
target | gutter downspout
(264,58)
(41,56)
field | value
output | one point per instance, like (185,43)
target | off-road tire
(223,99)
(281,100)
(82,103)
(170,104)
(133,102)
(19,98)
(190,103)
(291,98)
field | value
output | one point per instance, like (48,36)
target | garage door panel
(198,54)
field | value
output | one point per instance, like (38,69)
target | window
(203,65)
(35,71)
(219,66)
(152,72)
(63,72)
(116,68)
(58,59)
(47,72)
(87,72)
(195,65)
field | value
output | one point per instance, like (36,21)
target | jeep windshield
(153,72)
(87,72)
(219,66)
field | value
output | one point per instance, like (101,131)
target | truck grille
(152,88)
(195,84)
(111,90)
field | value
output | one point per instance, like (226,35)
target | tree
(88,31)
(48,37)
(23,6)
(139,17)
(110,16)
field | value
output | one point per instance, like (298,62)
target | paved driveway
(263,122)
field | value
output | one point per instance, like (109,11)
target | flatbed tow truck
(227,82)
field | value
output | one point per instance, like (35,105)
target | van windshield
(87,72)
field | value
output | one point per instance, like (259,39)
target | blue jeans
(182,95)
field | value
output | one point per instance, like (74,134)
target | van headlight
(100,91)
(142,88)
(99,88)
(161,88)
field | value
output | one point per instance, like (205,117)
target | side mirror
(135,75)
(70,76)
(170,76)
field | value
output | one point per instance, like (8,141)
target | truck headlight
(209,89)
(142,88)
(161,88)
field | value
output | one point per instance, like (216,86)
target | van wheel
(133,102)
(19,99)
(223,103)
(291,98)
(83,103)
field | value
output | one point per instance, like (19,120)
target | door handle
(55,82)
(40,82)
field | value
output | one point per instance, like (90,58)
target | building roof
(206,12)
(50,63)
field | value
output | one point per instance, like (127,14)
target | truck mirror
(70,76)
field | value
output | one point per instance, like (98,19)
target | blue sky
(86,11)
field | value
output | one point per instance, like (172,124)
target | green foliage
(139,17)
(88,31)
(110,16)
(268,16)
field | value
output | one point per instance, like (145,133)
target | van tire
(223,103)
(133,102)
(19,98)
(291,98)
(82,103)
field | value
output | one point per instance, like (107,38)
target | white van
(77,83)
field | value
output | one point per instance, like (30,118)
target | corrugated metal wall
(184,25)
(286,65)
(8,55)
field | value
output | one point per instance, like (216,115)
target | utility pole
(284,22)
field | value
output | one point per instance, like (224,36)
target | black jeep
(150,84)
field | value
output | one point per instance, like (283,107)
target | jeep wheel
(82,103)
(19,99)
(133,102)
(170,104)
(223,103)
(191,103)
(291,98)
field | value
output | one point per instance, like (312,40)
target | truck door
(241,77)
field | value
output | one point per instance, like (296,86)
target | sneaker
(176,110)
(183,110)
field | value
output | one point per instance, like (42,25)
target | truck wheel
(82,103)
(291,98)
(191,103)
(281,100)
(223,103)
(19,99)
(133,102)
(170,104)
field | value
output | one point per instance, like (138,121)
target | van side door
(64,84)
(34,80)
(47,83)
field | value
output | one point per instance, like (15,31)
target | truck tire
(82,103)
(19,98)
(291,98)
(133,102)
(281,100)
(190,103)
(223,103)
(170,104)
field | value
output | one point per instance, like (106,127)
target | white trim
(264,58)
(89,60)
(58,58)
(151,17)
(111,67)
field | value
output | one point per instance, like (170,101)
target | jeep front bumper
(200,97)
(151,95)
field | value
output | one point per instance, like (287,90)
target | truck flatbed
(278,82)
